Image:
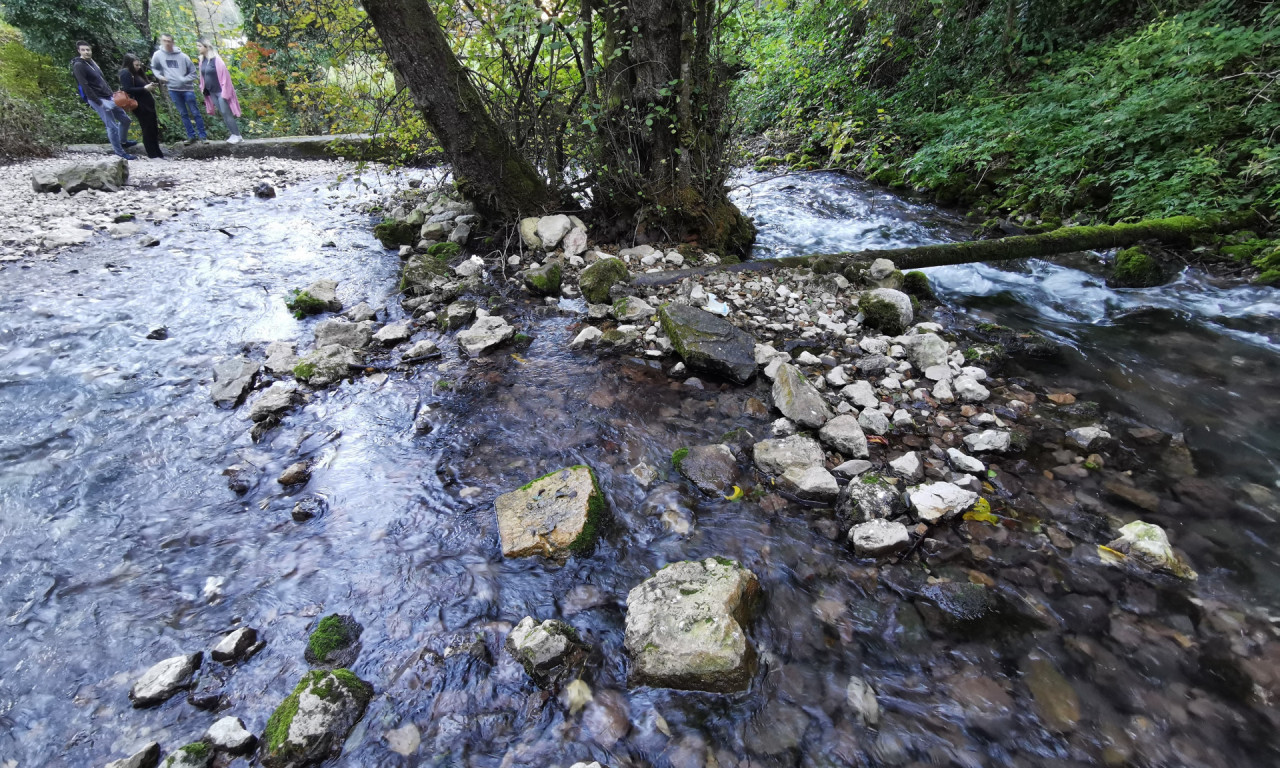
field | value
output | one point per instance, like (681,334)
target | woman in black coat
(134,81)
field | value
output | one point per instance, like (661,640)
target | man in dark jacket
(99,95)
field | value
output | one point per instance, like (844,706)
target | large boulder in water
(548,650)
(710,467)
(596,280)
(798,399)
(709,343)
(327,365)
(485,334)
(686,627)
(552,516)
(102,175)
(312,723)
(165,679)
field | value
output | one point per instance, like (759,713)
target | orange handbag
(124,101)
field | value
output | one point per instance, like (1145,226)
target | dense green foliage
(1109,109)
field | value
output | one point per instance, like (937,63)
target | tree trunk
(1175,230)
(662,138)
(489,170)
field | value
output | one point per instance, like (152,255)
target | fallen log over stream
(1174,230)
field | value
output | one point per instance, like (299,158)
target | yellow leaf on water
(736,495)
(981,512)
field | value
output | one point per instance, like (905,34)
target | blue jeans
(116,121)
(185,101)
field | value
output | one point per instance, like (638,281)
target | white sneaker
(234,139)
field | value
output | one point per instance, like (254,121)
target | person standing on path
(99,95)
(219,93)
(174,69)
(134,81)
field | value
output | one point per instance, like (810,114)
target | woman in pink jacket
(219,93)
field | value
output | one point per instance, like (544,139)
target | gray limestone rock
(811,483)
(457,314)
(229,735)
(988,440)
(709,343)
(549,651)
(555,515)
(484,335)
(938,501)
(165,679)
(908,467)
(866,498)
(844,435)
(873,421)
(861,394)
(235,645)
(101,175)
(274,400)
(795,451)
(327,365)
(712,468)
(552,229)
(879,538)
(313,722)
(798,399)
(147,757)
(685,627)
(232,379)
(343,333)
(925,350)
(393,333)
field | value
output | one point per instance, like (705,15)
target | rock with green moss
(443,251)
(709,343)
(596,280)
(327,365)
(422,273)
(799,400)
(550,651)
(197,754)
(147,757)
(886,310)
(868,497)
(1135,268)
(544,280)
(686,627)
(1149,545)
(456,315)
(335,642)
(916,285)
(312,723)
(320,296)
(393,233)
(558,514)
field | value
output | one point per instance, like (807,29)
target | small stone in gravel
(1086,436)
(936,501)
(851,469)
(234,646)
(861,394)
(879,538)
(844,434)
(969,390)
(812,483)
(908,467)
(988,440)
(962,462)
(874,421)
(230,736)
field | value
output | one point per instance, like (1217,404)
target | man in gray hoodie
(174,68)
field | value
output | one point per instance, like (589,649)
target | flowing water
(121,544)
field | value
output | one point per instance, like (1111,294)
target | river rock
(460,235)
(421,351)
(709,343)
(631,309)
(873,421)
(102,175)
(798,399)
(867,498)
(457,314)
(197,754)
(46,181)
(312,723)
(309,507)
(852,468)
(392,334)
(811,483)
(710,467)
(147,757)
(1056,701)
(544,280)
(282,356)
(529,233)
(421,272)
(861,698)
(777,456)
(596,280)
(879,538)
(962,462)
(861,394)
(229,735)
(235,646)
(485,334)
(898,300)
(549,651)
(925,350)
(165,679)
(908,467)
(1084,437)
(297,473)
(1149,544)
(685,627)
(936,501)
(575,243)
(844,435)
(274,400)
(552,229)
(552,516)
(325,292)
(343,333)
(361,312)
(988,440)
(231,380)
(586,337)
(335,642)
(327,365)
(968,390)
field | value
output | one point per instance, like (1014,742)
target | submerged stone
(1056,701)
(712,468)
(685,627)
(312,723)
(552,516)
(709,343)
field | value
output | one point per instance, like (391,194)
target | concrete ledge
(352,146)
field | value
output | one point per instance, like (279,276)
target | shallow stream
(121,544)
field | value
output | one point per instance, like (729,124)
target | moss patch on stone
(1135,268)
(678,458)
(301,304)
(333,633)
(916,284)
(444,251)
(596,280)
(595,515)
(196,749)
(304,371)
(881,315)
(325,681)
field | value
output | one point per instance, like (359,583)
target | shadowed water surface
(121,545)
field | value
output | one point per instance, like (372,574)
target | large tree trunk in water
(489,170)
(1175,230)
(662,134)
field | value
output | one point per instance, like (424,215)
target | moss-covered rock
(420,272)
(885,312)
(1135,268)
(393,233)
(596,280)
(709,343)
(544,280)
(443,251)
(916,285)
(197,754)
(335,641)
(312,723)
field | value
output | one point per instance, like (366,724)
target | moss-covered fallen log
(1174,231)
